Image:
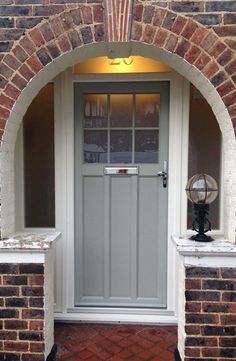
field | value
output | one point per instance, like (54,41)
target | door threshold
(117,315)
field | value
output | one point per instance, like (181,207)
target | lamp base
(201,238)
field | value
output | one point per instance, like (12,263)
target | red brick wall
(22,312)
(18,15)
(35,32)
(210,314)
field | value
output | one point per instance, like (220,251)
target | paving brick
(117,342)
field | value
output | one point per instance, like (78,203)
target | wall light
(201,190)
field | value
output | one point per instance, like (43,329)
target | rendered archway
(58,43)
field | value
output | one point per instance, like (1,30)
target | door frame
(64,190)
(149,169)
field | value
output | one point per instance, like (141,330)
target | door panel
(121,225)
(120,220)
(93,257)
(148,226)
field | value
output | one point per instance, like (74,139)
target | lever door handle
(164,174)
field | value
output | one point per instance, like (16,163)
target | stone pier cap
(205,253)
(29,241)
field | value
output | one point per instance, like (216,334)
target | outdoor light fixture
(201,190)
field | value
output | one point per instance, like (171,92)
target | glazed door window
(121,128)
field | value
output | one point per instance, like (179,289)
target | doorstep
(114,342)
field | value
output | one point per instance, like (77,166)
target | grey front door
(121,143)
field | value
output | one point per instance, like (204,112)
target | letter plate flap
(120,170)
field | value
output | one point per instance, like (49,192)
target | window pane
(121,146)
(95,111)
(95,146)
(147,110)
(38,128)
(146,146)
(121,110)
(204,149)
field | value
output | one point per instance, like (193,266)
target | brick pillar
(22,312)
(210,320)
(206,300)
(26,298)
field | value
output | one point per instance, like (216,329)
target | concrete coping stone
(30,240)
(218,247)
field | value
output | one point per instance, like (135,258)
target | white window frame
(64,194)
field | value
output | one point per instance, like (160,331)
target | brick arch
(184,43)
(195,44)
(40,46)
(153,25)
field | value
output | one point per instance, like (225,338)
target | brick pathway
(95,342)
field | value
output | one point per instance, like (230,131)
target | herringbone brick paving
(95,342)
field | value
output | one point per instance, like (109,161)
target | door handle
(164,174)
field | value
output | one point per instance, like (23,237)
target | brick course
(22,312)
(210,326)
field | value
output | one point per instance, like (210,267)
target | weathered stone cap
(30,240)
